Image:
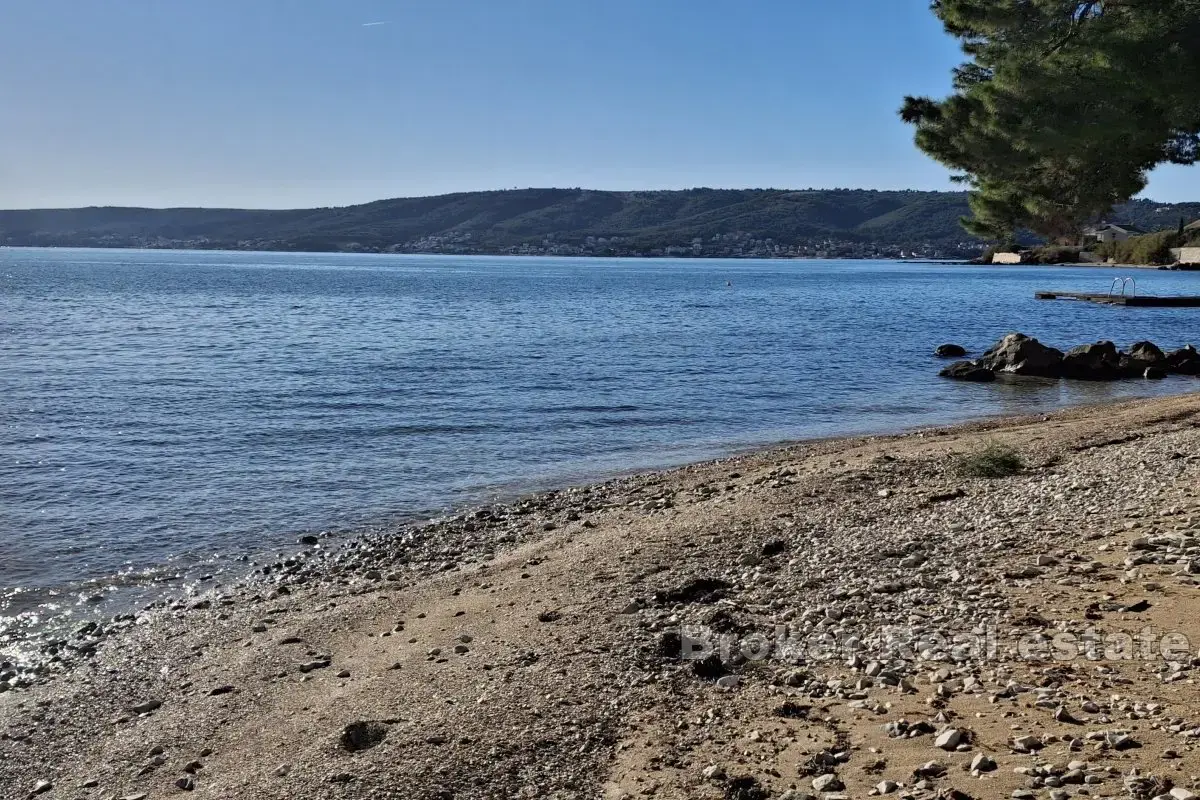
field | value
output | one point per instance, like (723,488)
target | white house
(1107,232)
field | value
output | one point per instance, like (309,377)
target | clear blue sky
(290,103)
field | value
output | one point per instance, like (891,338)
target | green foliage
(1153,248)
(1053,254)
(993,460)
(493,221)
(1062,107)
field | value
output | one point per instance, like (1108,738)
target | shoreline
(453,653)
(201,577)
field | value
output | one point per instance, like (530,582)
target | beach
(887,625)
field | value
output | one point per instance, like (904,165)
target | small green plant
(993,460)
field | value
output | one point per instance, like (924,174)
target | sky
(287,104)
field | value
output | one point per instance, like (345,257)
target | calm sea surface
(166,411)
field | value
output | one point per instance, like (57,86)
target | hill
(707,222)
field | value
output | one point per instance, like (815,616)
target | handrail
(1125,282)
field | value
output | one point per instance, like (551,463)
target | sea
(165,415)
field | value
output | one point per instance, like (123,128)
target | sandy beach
(837,619)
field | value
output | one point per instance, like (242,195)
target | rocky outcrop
(1184,361)
(1093,362)
(968,371)
(950,351)
(1018,354)
(1146,352)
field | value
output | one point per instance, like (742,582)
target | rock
(1062,715)
(983,763)
(950,351)
(42,786)
(1180,793)
(1027,744)
(219,690)
(1146,352)
(282,770)
(187,783)
(728,682)
(146,707)
(968,371)
(308,540)
(714,772)
(1154,374)
(828,782)
(344,673)
(948,739)
(317,664)
(1121,741)
(886,787)
(1184,361)
(1018,354)
(1093,362)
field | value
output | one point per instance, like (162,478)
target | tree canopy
(1062,107)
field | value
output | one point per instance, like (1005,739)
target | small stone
(1027,744)
(42,786)
(344,673)
(461,649)
(1062,715)
(886,787)
(146,707)
(1180,793)
(728,682)
(1121,741)
(714,772)
(948,739)
(282,770)
(983,763)
(186,783)
(828,783)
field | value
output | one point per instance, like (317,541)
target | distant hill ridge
(568,221)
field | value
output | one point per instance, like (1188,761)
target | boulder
(968,371)
(1154,374)
(1093,362)
(1184,361)
(1146,352)
(1019,354)
(950,351)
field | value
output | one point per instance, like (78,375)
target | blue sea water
(160,409)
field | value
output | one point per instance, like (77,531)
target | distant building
(1107,233)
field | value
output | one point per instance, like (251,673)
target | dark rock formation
(950,351)
(1018,354)
(1093,362)
(968,371)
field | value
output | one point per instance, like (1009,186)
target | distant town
(720,245)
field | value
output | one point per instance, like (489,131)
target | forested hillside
(710,222)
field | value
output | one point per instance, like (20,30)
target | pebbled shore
(533,649)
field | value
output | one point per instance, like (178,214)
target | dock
(1123,299)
